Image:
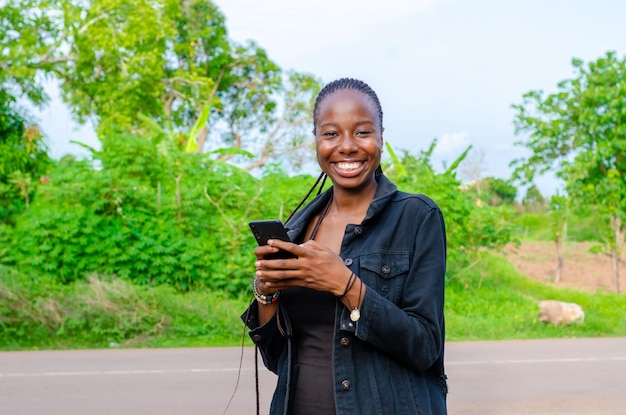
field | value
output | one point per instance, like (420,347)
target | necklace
(321,218)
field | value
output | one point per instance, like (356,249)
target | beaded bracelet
(262,298)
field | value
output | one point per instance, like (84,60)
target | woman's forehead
(348,100)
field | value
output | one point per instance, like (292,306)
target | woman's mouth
(348,166)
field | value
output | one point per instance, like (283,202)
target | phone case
(270,229)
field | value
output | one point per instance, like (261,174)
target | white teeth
(348,166)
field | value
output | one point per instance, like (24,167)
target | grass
(38,313)
(538,226)
(493,301)
(489,301)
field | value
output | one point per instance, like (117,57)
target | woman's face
(348,139)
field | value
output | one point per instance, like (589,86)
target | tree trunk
(618,233)
(615,264)
(560,250)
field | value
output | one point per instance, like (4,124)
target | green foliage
(23,160)
(492,191)
(155,67)
(29,35)
(533,226)
(533,198)
(540,226)
(501,191)
(115,51)
(37,312)
(469,227)
(176,219)
(558,211)
(283,136)
(584,120)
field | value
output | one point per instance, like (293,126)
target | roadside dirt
(582,270)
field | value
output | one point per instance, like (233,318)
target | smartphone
(271,229)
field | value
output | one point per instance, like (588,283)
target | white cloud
(452,144)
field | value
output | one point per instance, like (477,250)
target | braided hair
(346,84)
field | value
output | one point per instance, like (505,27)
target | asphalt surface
(573,376)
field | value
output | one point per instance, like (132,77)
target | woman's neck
(348,203)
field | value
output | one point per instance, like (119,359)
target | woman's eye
(330,134)
(363,132)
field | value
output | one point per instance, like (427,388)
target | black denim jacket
(391,360)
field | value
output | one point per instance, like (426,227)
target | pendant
(355,315)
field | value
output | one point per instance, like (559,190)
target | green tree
(165,59)
(533,198)
(470,228)
(127,66)
(277,135)
(491,191)
(27,31)
(558,212)
(580,131)
(30,35)
(23,160)
(176,219)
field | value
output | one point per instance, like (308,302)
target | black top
(312,315)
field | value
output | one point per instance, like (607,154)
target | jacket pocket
(381,270)
(386,265)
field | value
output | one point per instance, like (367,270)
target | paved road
(584,376)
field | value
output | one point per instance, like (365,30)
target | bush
(180,221)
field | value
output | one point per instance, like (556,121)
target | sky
(445,69)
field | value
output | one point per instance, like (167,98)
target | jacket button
(256,338)
(345,384)
(347,261)
(386,269)
(344,341)
(358,230)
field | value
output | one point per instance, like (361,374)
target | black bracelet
(349,284)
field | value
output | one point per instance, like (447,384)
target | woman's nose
(347,144)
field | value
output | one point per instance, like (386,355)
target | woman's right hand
(317,267)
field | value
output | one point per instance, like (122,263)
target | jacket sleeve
(412,331)
(267,338)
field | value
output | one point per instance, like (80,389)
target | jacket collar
(385,191)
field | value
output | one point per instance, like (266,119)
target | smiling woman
(349,140)
(355,323)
